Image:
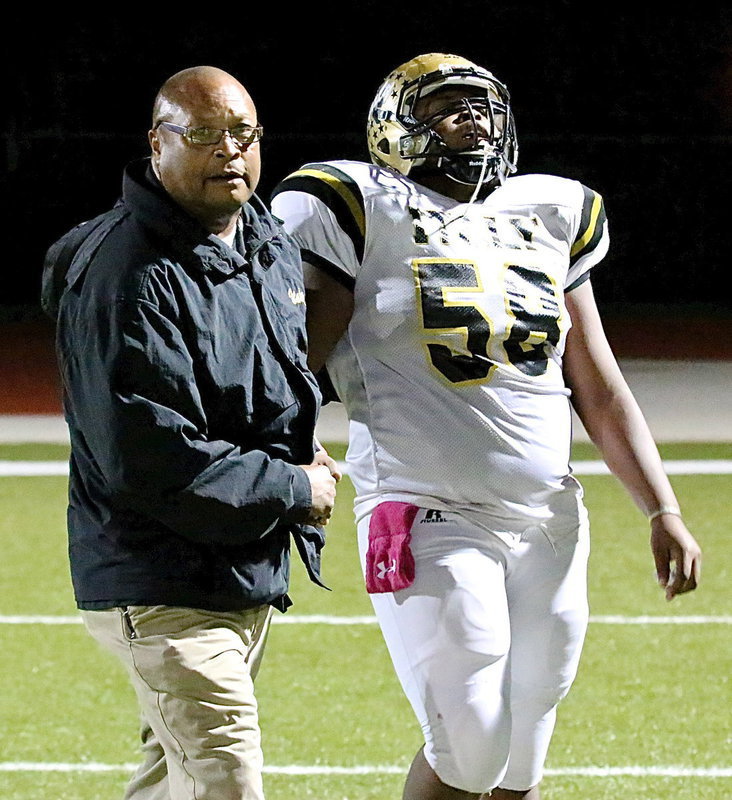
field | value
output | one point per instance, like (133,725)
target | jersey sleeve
(591,239)
(322,207)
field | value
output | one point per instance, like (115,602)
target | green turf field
(648,718)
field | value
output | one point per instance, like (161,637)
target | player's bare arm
(615,423)
(329,310)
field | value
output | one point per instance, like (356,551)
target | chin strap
(479,185)
(473,197)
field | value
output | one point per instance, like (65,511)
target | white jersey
(451,368)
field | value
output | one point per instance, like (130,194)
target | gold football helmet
(397,139)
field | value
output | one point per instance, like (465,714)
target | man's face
(459,129)
(209,181)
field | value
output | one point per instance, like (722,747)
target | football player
(452,307)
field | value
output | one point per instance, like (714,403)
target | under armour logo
(383,569)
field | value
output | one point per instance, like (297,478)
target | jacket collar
(152,205)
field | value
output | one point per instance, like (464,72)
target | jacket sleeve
(147,432)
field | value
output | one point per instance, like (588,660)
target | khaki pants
(193,673)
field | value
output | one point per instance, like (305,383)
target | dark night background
(636,104)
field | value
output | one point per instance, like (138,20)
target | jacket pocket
(128,626)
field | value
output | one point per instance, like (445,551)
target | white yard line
(642,772)
(28,469)
(621,620)
(367,769)
(322,619)
(673,467)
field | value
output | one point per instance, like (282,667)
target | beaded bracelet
(675,510)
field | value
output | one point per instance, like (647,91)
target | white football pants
(485,643)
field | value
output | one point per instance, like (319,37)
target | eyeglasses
(243,135)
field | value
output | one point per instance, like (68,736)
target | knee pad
(469,747)
(472,772)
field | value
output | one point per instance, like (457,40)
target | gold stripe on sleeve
(338,186)
(590,231)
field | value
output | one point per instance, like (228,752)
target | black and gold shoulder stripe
(338,191)
(591,226)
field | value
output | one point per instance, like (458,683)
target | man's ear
(154,139)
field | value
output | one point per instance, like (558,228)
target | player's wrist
(671,509)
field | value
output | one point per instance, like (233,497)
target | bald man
(191,412)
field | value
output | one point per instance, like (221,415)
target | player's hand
(677,555)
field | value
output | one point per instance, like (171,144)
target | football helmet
(398,139)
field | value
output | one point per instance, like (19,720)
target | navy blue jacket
(189,403)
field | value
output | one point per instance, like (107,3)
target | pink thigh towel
(389,559)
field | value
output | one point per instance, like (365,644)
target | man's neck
(223,227)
